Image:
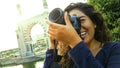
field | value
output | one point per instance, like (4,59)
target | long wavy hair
(101,31)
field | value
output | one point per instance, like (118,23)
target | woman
(92,50)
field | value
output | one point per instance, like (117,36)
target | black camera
(57,16)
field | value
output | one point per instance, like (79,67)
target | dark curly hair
(101,31)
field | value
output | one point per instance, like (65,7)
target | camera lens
(56,15)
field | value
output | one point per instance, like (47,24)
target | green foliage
(111,13)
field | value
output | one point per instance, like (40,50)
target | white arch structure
(24,33)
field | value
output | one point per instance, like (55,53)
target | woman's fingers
(52,33)
(65,33)
(67,21)
(53,25)
(54,29)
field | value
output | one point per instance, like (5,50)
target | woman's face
(87,26)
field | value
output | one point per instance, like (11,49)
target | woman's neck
(94,46)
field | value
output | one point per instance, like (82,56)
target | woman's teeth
(83,33)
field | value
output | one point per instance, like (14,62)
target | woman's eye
(82,20)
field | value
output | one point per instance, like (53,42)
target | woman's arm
(48,58)
(83,58)
(114,59)
(51,60)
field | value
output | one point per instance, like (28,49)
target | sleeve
(83,58)
(48,59)
(114,59)
(51,59)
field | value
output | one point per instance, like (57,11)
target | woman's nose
(82,28)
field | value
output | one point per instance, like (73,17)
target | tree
(110,10)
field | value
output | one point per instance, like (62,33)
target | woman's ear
(95,26)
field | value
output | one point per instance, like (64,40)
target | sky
(9,16)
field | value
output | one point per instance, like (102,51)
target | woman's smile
(83,34)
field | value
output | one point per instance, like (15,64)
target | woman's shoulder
(111,46)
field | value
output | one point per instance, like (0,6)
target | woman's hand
(51,41)
(65,33)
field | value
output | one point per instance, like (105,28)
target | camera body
(57,16)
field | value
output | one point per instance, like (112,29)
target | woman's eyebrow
(81,17)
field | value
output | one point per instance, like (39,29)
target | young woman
(92,50)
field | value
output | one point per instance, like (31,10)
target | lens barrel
(57,16)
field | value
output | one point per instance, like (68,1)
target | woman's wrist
(75,42)
(51,47)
